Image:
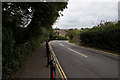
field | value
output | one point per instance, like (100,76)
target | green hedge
(105,37)
(15,55)
(71,33)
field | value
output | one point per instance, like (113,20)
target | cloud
(87,14)
(119,10)
(93,0)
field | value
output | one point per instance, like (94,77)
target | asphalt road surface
(80,62)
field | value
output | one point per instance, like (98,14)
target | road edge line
(57,61)
(102,51)
(96,49)
(59,71)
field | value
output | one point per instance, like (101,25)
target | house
(61,32)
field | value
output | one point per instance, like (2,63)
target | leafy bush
(15,55)
(105,37)
(71,33)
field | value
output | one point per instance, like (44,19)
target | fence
(50,62)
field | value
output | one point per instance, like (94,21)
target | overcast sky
(87,13)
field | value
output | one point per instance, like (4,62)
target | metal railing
(50,62)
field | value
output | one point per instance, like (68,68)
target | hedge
(105,37)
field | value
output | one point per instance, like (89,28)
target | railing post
(47,53)
(51,62)
(52,70)
(46,47)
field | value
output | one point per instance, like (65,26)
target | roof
(62,31)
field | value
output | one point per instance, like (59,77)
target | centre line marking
(77,52)
(61,44)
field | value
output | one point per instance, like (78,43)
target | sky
(87,13)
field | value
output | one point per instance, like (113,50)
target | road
(80,62)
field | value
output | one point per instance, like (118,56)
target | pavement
(36,66)
(80,62)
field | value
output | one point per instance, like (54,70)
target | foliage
(59,38)
(105,37)
(71,33)
(75,42)
(25,26)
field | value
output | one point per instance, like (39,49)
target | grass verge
(78,43)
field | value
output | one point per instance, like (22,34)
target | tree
(25,26)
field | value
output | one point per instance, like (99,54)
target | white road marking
(77,52)
(61,44)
